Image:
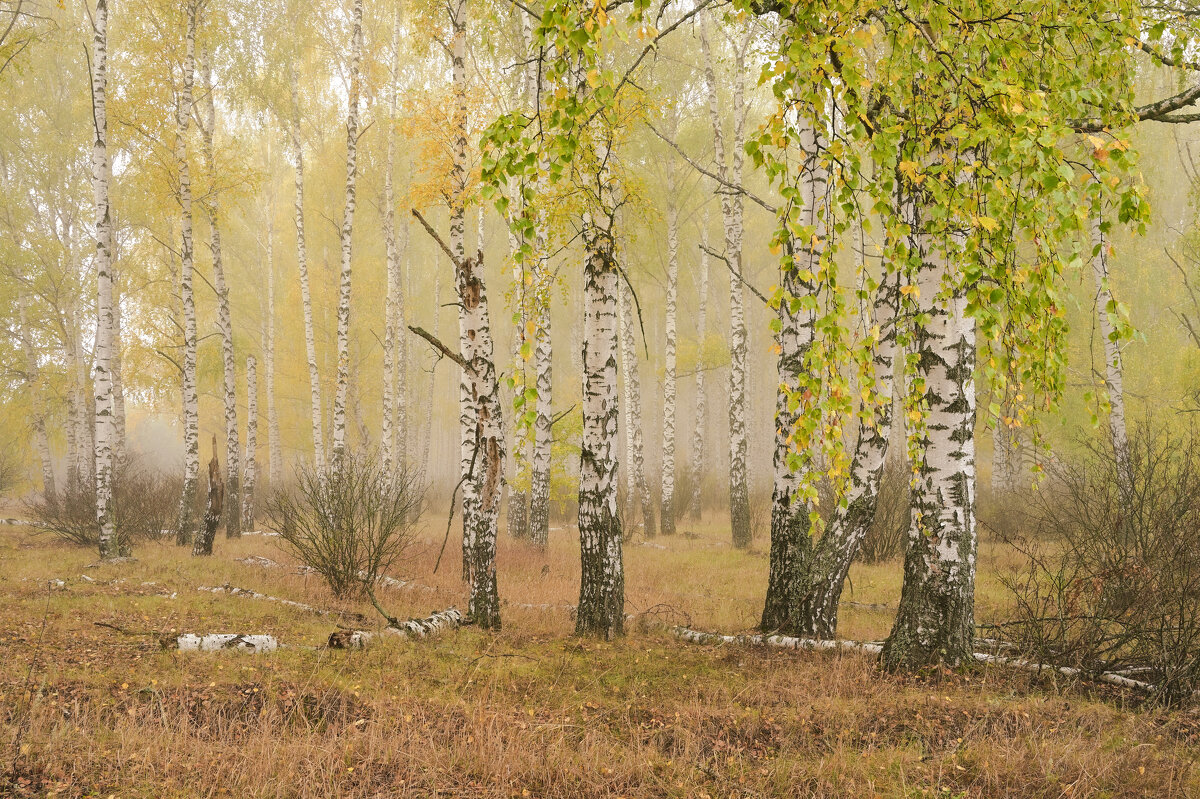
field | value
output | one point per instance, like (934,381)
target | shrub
(350,524)
(1112,574)
(144,504)
(885,537)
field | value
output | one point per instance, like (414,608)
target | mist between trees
(589,271)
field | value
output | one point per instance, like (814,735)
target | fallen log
(245,592)
(436,622)
(219,642)
(874,648)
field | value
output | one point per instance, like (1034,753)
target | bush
(350,525)
(1112,579)
(144,504)
(884,539)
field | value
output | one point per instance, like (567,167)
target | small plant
(350,524)
(144,503)
(1111,581)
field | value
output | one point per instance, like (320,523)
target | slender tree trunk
(935,619)
(110,546)
(437,314)
(639,490)
(186,527)
(314,374)
(251,443)
(732,208)
(667,514)
(469,457)
(37,404)
(118,381)
(518,494)
(1114,380)
(343,311)
(389,443)
(696,465)
(212,507)
(233,516)
(601,609)
(274,447)
(543,437)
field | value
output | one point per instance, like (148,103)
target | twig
(562,415)
(440,347)
(429,229)
(732,186)
(734,272)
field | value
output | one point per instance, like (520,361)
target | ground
(87,710)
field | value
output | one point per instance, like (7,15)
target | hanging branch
(734,272)
(742,190)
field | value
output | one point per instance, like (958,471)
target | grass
(532,710)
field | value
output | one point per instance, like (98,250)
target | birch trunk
(667,514)
(696,461)
(392,339)
(310,346)
(232,494)
(274,448)
(601,609)
(437,320)
(186,527)
(37,404)
(118,382)
(518,496)
(487,442)
(543,438)
(731,209)
(110,546)
(638,490)
(251,467)
(212,507)
(791,542)
(935,619)
(343,310)
(817,610)
(1114,380)
(468,454)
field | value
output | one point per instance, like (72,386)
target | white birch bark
(207,123)
(1114,380)
(667,514)
(110,547)
(732,210)
(251,477)
(118,382)
(518,494)
(37,403)
(391,334)
(343,310)
(458,187)
(186,527)
(601,609)
(437,323)
(696,461)
(639,493)
(310,346)
(935,619)
(274,447)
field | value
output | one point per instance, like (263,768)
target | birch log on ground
(186,524)
(110,546)
(207,122)
(343,309)
(222,642)
(437,622)
(935,619)
(310,345)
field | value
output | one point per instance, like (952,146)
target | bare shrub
(351,524)
(884,539)
(144,504)
(1112,578)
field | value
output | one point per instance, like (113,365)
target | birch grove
(667,514)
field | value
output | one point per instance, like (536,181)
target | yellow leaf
(987,223)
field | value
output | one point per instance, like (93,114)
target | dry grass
(86,711)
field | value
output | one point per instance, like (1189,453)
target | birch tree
(639,494)
(207,122)
(667,514)
(251,478)
(343,310)
(696,460)
(310,345)
(394,361)
(186,525)
(729,170)
(1114,379)
(274,448)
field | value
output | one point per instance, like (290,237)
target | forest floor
(86,710)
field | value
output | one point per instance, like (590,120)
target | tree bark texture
(251,478)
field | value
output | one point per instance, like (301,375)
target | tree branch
(733,272)
(440,347)
(734,187)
